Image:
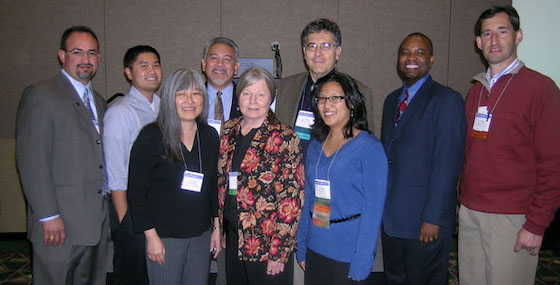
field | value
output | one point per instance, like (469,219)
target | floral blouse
(269,189)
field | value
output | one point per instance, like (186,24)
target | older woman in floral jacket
(260,186)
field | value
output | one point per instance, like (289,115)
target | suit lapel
(416,105)
(299,87)
(71,95)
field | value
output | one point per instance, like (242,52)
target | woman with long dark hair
(172,184)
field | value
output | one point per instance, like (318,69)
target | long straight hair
(168,119)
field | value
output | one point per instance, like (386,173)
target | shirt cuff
(49,218)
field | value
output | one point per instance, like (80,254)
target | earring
(351,113)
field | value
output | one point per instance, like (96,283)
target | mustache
(85,65)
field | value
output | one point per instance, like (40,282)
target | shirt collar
(493,79)
(78,86)
(414,88)
(225,92)
(154,105)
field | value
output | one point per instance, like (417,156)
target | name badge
(192,181)
(322,208)
(481,124)
(233,183)
(216,124)
(304,121)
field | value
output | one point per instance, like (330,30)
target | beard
(85,74)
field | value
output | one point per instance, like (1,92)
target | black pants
(240,272)
(321,270)
(129,260)
(406,261)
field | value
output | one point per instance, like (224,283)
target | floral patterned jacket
(270,189)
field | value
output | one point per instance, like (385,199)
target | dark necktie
(219,107)
(402,106)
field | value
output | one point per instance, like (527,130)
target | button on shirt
(227,97)
(121,124)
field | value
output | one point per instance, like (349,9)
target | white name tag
(322,189)
(216,124)
(233,183)
(482,120)
(192,181)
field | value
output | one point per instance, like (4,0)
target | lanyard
(499,97)
(199,159)
(318,160)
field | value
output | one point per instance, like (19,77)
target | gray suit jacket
(289,94)
(60,159)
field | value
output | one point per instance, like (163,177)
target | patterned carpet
(15,265)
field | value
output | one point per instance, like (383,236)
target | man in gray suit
(59,155)
(321,42)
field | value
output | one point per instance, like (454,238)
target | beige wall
(371,32)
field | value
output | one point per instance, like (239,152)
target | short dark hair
(354,101)
(320,25)
(132,54)
(430,45)
(509,10)
(77,29)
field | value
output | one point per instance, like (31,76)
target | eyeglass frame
(326,46)
(332,99)
(80,52)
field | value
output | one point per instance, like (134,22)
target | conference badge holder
(233,183)
(482,122)
(322,208)
(304,121)
(192,181)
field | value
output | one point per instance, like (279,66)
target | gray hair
(221,40)
(168,120)
(321,25)
(251,76)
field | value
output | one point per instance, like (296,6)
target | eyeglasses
(80,52)
(322,46)
(332,99)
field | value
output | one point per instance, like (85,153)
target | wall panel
(465,59)
(372,30)
(255,24)
(177,29)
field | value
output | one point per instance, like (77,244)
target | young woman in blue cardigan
(346,179)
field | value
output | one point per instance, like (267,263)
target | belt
(353,217)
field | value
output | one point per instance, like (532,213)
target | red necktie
(402,106)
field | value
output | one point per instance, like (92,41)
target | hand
(215,243)
(53,232)
(154,247)
(302,264)
(529,241)
(428,233)
(273,267)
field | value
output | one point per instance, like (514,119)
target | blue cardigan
(358,179)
